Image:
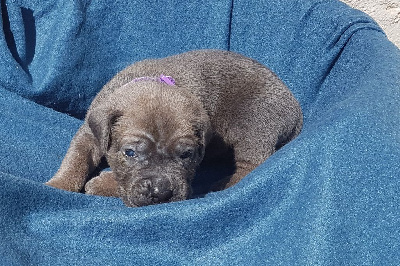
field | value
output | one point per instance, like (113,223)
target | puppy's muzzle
(152,190)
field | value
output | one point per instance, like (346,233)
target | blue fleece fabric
(330,197)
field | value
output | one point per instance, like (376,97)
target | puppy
(157,120)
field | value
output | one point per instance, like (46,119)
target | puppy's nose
(151,190)
(160,190)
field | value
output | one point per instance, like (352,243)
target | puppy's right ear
(100,120)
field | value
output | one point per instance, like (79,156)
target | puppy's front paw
(102,185)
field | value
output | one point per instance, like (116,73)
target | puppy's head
(154,138)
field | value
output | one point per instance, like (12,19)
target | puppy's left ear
(100,120)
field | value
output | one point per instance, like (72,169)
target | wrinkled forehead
(157,97)
(154,125)
(160,110)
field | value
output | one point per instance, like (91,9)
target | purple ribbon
(163,79)
(167,80)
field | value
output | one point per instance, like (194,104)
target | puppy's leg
(103,185)
(249,155)
(242,169)
(82,157)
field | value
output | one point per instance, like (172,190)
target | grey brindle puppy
(155,130)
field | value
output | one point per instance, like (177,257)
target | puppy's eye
(130,153)
(186,154)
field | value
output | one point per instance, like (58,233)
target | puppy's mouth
(154,190)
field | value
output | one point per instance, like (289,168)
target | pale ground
(385,12)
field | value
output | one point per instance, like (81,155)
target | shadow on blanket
(330,197)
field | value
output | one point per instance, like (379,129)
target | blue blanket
(330,197)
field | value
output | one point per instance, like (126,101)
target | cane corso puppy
(156,121)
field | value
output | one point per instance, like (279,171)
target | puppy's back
(238,93)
